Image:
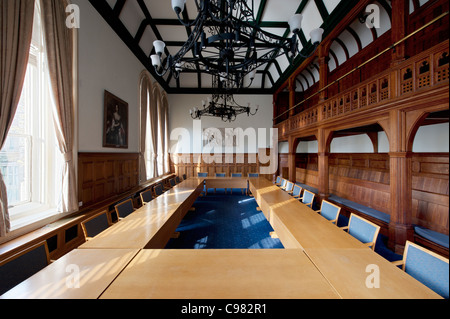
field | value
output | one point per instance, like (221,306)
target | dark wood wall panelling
(191,164)
(105,175)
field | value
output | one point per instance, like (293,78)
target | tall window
(30,159)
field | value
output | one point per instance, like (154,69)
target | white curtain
(59,43)
(16,28)
(145,89)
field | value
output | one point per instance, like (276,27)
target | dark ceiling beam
(322,9)
(119,6)
(152,25)
(114,22)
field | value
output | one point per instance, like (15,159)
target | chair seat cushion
(361,208)
(435,237)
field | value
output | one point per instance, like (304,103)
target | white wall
(429,139)
(105,63)
(179,117)
(432,138)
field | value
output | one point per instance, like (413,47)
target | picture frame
(115,123)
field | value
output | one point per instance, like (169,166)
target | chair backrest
(221,175)
(125,208)
(330,211)
(146,196)
(177,180)
(184,176)
(308,198)
(278,180)
(158,190)
(236,175)
(96,224)
(363,230)
(202,174)
(23,265)
(253,175)
(289,186)
(172,182)
(427,267)
(283,183)
(296,191)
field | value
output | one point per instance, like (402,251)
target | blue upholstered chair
(278,180)
(96,224)
(307,198)
(202,174)
(172,182)
(253,175)
(283,183)
(184,177)
(329,211)
(296,191)
(177,180)
(363,230)
(125,208)
(427,267)
(146,196)
(289,187)
(23,265)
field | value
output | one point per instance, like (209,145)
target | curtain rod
(368,61)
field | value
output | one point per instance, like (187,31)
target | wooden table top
(349,270)
(297,221)
(220,274)
(138,229)
(60,280)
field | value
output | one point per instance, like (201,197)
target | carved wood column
(400,15)
(400,226)
(293,143)
(323,154)
(323,73)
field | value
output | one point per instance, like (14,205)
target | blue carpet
(225,222)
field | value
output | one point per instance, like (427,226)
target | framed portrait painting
(115,123)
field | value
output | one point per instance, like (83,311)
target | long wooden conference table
(128,260)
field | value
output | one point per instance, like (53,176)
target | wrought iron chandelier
(226,40)
(222,103)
